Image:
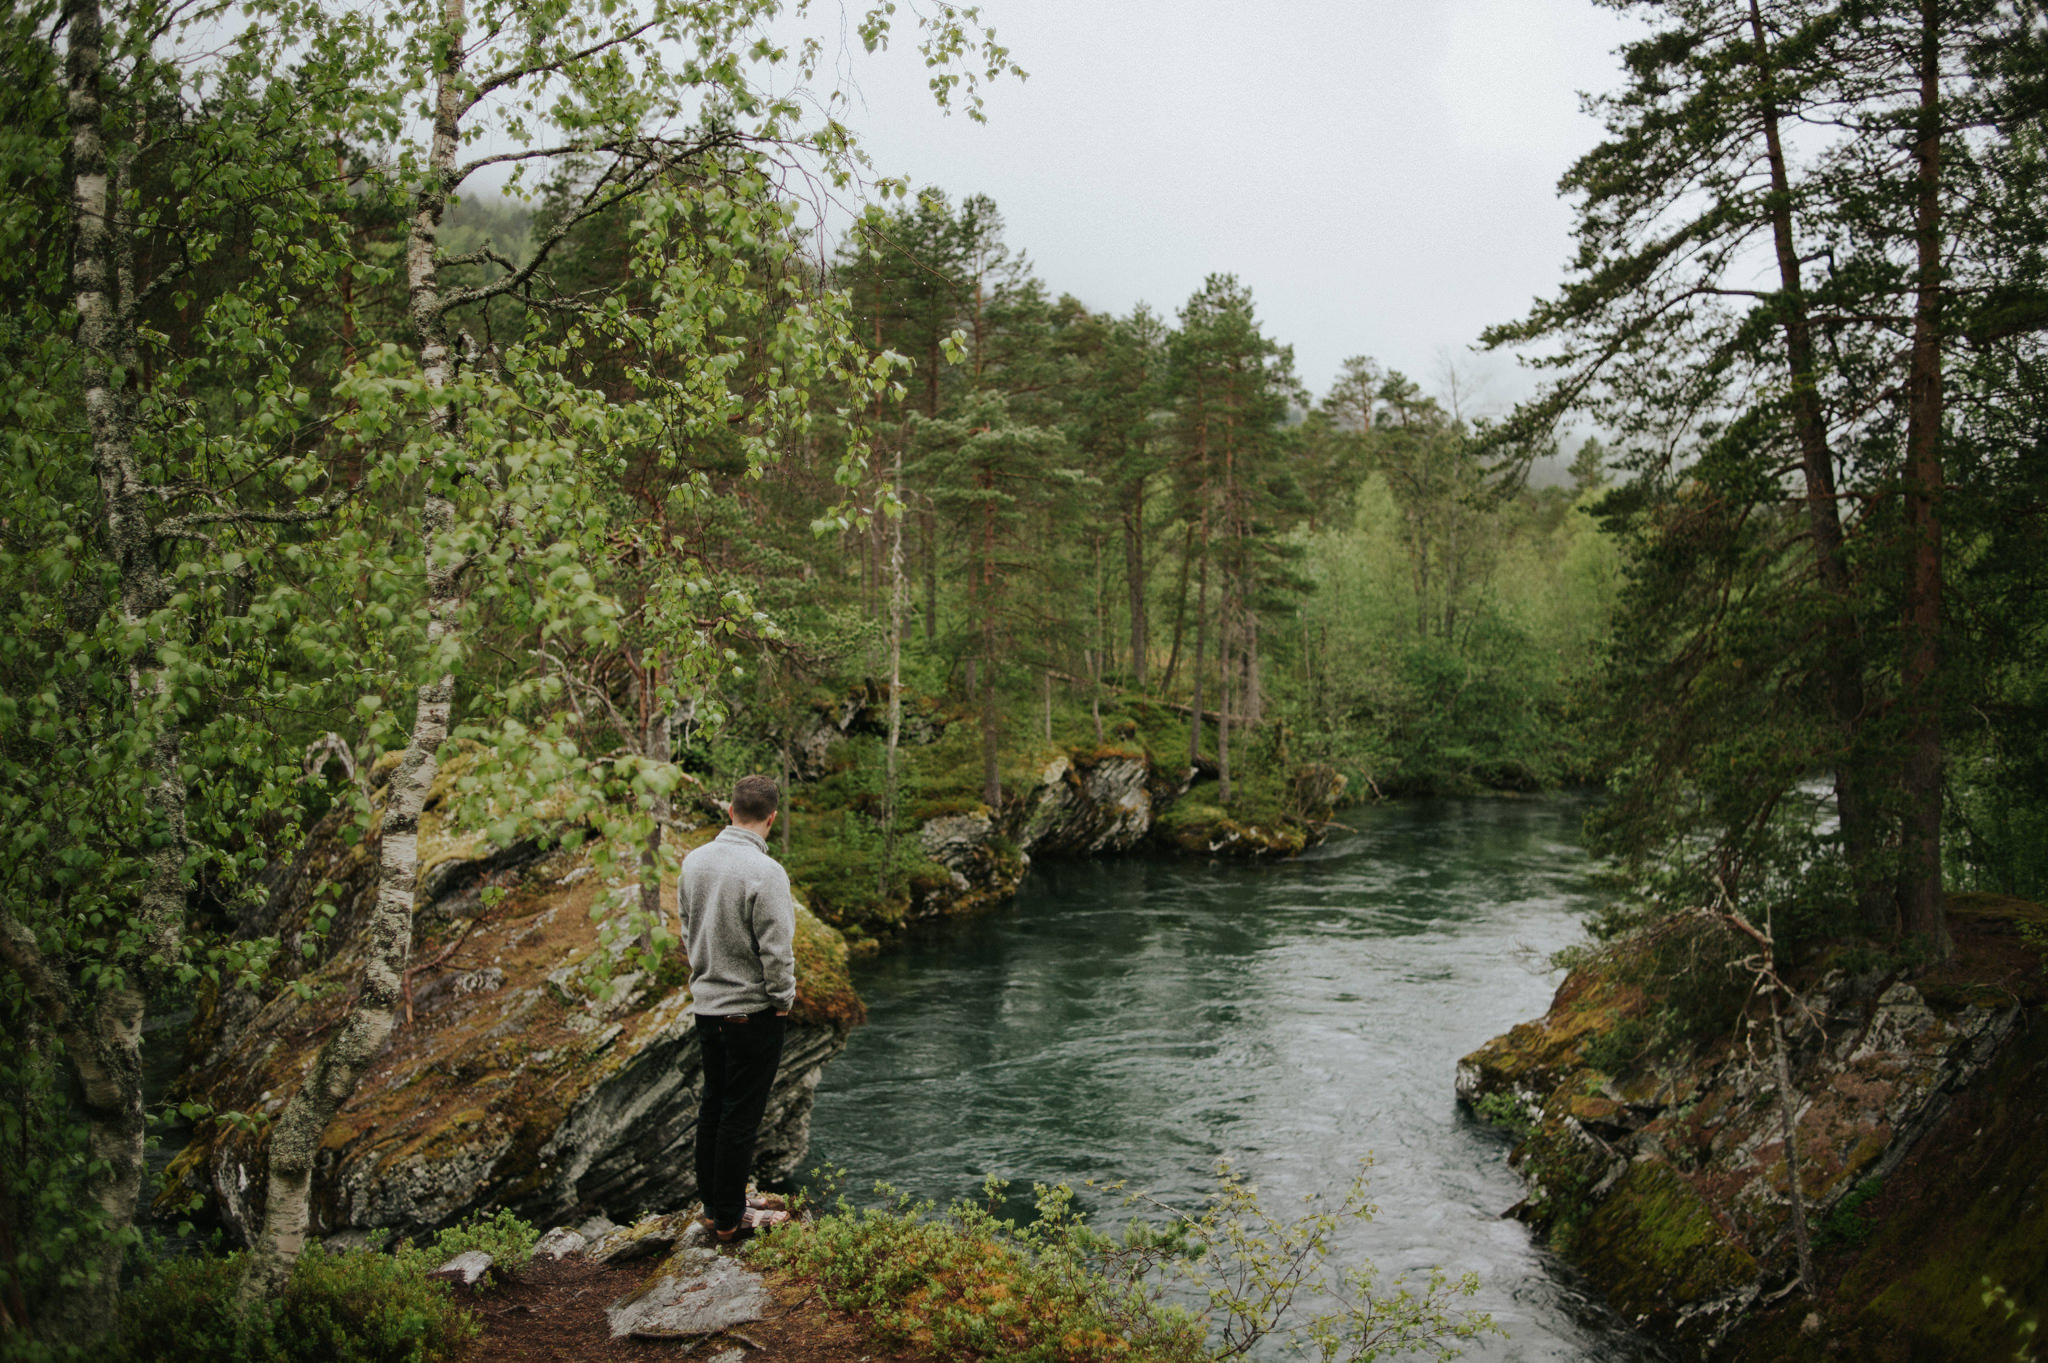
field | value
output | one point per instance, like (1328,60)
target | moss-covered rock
(957,851)
(1674,1266)
(1661,1171)
(537,1066)
(983,867)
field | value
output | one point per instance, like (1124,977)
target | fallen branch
(1763,967)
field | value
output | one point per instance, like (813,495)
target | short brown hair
(754,798)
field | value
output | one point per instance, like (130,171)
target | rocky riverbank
(541,1067)
(531,1068)
(1127,787)
(1655,1160)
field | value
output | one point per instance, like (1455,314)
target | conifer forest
(445,444)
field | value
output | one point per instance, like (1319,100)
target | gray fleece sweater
(739,926)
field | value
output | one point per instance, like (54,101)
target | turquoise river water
(1140,1019)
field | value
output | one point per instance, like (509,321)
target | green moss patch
(1657,1247)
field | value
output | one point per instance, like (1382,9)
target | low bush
(966,1284)
(508,1240)
(1846,1227)
(358,1306)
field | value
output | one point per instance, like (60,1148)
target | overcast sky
(1381,173)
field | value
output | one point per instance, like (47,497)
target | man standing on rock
(739,927)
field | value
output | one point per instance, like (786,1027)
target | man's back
(739,927)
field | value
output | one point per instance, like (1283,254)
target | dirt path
(553,1312)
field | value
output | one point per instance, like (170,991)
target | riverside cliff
(1083,791)
(536,1068)
(530,1068)
(1655,1160)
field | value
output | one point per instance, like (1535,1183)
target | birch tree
(152,508)
(636,99)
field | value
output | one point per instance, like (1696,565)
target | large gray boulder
(1085,806)
(536,1070)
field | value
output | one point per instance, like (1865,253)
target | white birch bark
(103,1035)
(367,1027)
(895,679)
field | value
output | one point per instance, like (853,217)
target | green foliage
(2025,1324)
(1620,1046)
(1495,696)
(507,1239)
(1504,1111)
(968,1283)
(358,1306)
(1846,1227)
(1058,1290)
(49,1223)
(2035,935)
(1829,584)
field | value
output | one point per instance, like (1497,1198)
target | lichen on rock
(1088,804)
(1661,1172)
(535,1071)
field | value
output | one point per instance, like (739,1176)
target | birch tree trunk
(367,1027)
(103,1034)
(895,676)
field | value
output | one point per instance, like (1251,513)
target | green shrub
(967,1285)
(179,1309)
(366,1307)
(2025,1324)
(1846,1227)
(354,1307)
(1504,1111)
(508,1240)
(1614,1050)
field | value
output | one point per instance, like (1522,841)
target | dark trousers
(740,1056)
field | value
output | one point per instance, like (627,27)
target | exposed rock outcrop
(1664,1176)
(536,1070)
(983,867)
(862,710)
(1098,802)
(1088,804)
(1313,791)
(697,1291)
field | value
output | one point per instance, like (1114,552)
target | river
(1139,1019)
